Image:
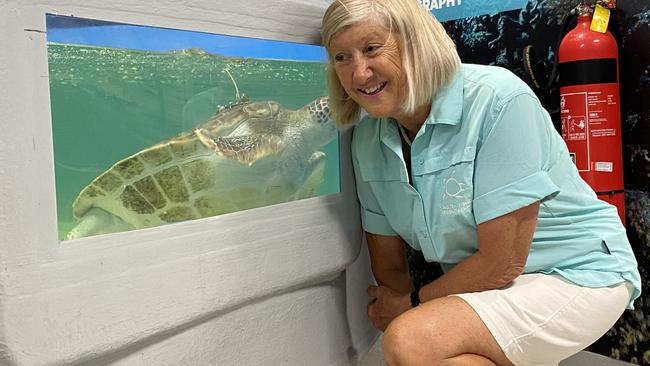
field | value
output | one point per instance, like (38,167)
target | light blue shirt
(486,149)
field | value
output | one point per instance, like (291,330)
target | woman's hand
(385,305)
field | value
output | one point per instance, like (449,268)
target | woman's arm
(504,244)
(388,261)
(390,268)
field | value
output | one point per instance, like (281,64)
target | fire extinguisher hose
(530,58)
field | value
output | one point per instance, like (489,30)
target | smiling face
(368,62)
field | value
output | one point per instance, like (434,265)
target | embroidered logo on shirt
(456,196)
(454,188)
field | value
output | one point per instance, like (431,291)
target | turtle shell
(248,155)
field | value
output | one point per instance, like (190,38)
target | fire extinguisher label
(575,127)
(602,166)
(591,130)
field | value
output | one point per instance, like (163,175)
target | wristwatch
(415,298)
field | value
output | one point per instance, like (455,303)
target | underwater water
(110,103)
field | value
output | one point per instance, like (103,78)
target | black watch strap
(415,298)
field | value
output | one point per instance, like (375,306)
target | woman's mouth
(374,90)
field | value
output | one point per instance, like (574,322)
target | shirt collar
(447,106)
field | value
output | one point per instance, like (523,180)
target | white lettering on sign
(602,166)
(439,4)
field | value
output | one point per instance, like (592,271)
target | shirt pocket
(452,173)
(376,179)
(384,184)
(380,172)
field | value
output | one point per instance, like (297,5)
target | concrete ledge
(591,359)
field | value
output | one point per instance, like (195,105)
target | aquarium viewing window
(154,126)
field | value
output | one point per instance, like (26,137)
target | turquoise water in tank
(109,103)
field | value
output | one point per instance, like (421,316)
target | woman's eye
(373,48)
(340,58)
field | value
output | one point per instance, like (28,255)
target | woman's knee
(396,336)
(405,340)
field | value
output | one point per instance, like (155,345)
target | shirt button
(425,235)
(421,162)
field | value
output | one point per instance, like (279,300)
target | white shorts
(542,319)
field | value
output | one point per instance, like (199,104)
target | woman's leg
(444,331)
(536,320)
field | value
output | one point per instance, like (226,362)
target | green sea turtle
(248,155)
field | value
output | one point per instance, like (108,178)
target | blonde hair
(429,56)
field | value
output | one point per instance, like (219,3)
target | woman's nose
(362,70)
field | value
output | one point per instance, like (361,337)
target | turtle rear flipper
(97,221)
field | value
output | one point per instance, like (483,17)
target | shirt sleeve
(511,167)
(372,217)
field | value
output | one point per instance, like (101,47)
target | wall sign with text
(445,10)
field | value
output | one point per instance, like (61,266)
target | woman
(462,162)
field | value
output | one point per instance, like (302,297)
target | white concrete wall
(262,287)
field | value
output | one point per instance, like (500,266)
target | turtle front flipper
(246,149)
(314,176)
(97,221)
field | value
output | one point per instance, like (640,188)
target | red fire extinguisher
(590,108)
